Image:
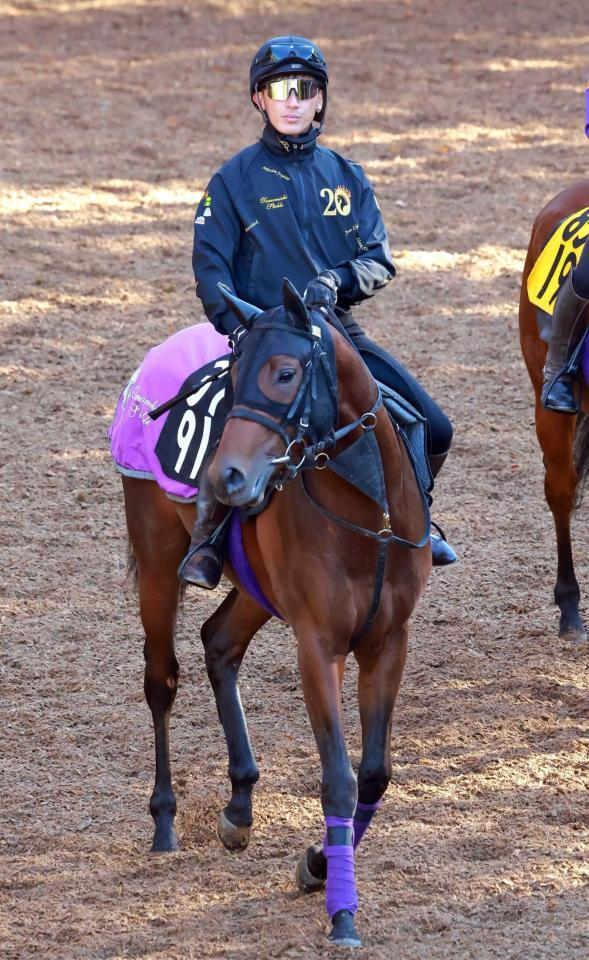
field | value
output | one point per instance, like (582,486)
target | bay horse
(564,440)
(340,553)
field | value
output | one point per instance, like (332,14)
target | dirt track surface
(468,117)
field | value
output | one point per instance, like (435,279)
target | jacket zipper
(304,221)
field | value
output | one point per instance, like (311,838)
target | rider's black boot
(442,553)
(560,369)
(203,564)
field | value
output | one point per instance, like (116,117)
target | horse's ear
(295,305)
(245,312)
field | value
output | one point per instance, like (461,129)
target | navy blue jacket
(278,209)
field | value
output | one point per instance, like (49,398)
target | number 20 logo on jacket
(338,201)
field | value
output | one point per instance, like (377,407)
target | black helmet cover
(283,55)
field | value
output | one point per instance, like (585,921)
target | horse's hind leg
(226,636)
(159,542)
(556,434)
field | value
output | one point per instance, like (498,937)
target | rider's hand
(321,292)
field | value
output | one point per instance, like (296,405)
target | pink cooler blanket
(133,435)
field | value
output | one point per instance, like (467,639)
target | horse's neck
(357,392)
(358,395)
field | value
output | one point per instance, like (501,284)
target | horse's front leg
(321,675)
(381,662)
(226,636)
(556,434)
(381,666)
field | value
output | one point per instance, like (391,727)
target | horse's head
(284,398)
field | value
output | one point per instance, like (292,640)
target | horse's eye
(285,376)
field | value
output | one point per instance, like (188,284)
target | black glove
(321,292)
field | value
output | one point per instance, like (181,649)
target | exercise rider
(569,323)
(286,207)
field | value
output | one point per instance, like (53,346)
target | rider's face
(292,116)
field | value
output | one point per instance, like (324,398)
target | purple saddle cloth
(241,565)
(133,435)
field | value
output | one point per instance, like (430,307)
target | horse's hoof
(307,880)
(164,842)
(574,635)
(343,932)
(232,837)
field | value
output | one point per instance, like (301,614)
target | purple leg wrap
(338,848)
(363,818)
(587,110)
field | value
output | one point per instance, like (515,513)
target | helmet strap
(258,107)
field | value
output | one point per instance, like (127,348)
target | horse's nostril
(233,479)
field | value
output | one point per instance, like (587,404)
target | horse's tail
(581,456)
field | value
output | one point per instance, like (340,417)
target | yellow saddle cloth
(558,257)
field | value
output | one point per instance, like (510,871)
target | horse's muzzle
(234,481)
(238,488)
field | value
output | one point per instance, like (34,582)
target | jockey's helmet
(289,55)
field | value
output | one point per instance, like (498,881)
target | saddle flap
(360,464)
(414,427)
(401,411)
